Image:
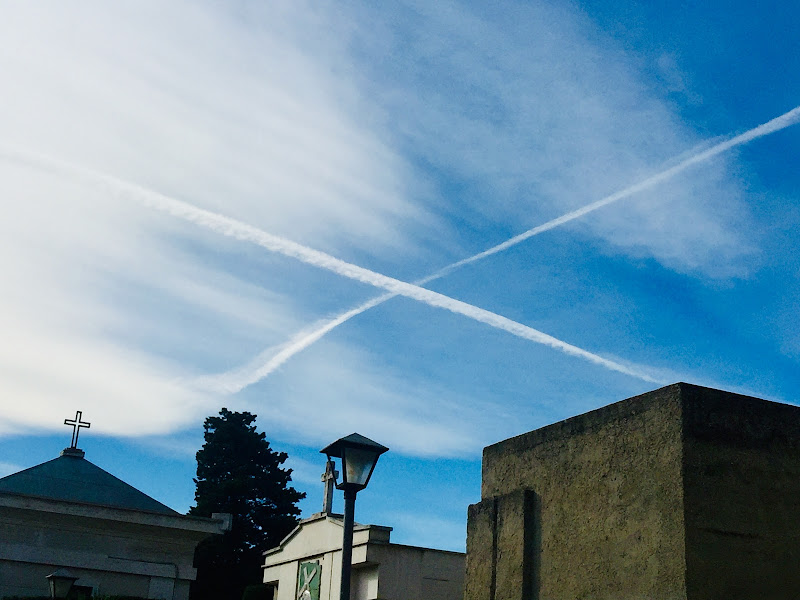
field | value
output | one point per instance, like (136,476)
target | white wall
(381,570)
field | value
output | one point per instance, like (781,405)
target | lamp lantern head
(359,455)
(61,582)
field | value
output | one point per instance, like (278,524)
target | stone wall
(587,508)
(681,493)
(742,490)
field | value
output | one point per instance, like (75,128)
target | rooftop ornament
(76,427)
(76,424)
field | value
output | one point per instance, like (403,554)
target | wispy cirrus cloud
(400,138)
(7,468)
(271,359)
(236,116)
(238,230)
(107,306)
(537,110)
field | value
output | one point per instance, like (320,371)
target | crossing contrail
(299,342)
(242,231)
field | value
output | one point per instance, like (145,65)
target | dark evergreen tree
(238,473)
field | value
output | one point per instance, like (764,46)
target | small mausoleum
(308,563)
(70,517)
(685,492)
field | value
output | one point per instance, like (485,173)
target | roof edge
(190,524)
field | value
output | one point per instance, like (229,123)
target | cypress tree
(238,473)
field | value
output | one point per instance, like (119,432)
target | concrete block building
(683,493)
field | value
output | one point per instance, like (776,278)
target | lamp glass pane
(358,465)
(60,586)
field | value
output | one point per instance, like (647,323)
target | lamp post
(61,582)
(359,456)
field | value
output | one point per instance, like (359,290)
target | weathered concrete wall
(481,562)
(591,507)
(742,491)
(381,570)
(412,573)
(112,556)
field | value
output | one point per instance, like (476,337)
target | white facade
(381,570)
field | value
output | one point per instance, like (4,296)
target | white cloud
(429,531)
(305,471)
(338,389)
(110,308)
(310,121)
(535,109)
(7,468)
(273,358)
(228,227)
(193,97)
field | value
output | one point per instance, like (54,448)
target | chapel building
(307,565)
(69,516)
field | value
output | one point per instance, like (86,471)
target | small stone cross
(76,427)
(329,479)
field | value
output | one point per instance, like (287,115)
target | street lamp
(359,456)
(61,583)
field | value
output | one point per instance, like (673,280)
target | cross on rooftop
(329,479)
(76,427)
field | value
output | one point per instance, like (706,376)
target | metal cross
(76,427)
(329,479)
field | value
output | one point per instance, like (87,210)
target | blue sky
(399,140)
